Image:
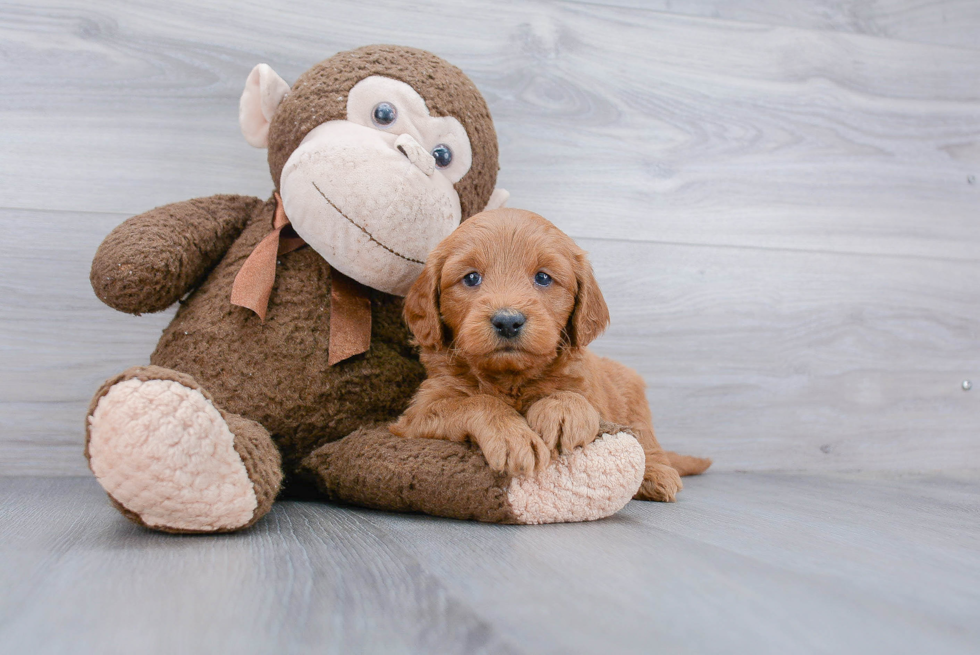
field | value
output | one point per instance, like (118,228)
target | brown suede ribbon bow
(350,301)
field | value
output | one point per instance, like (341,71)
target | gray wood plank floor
(755,562)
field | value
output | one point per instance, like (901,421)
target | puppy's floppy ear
(422,304)
(590,315)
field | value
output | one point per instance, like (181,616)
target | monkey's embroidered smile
(360,227)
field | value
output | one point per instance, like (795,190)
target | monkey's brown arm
(374,468)
(151,260)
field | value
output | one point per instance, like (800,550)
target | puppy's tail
(688,464)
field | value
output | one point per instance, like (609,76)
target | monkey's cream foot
(588,483)
(170,460)
(661,482)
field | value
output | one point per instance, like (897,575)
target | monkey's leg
(374,468)
(172,461)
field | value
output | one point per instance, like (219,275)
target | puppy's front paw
(512,446)
(564,418)
(660,483)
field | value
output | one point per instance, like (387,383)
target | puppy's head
(508,290)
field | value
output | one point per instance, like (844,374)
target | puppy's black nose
(508,323)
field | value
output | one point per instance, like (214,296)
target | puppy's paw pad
(514,449)
(526,452)
(660,483)
(564,419)
(546,422)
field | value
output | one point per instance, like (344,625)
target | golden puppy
(503,311)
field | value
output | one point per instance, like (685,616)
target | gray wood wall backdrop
(779,197)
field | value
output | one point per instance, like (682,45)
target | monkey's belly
(276,372)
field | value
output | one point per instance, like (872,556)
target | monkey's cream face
(373,194)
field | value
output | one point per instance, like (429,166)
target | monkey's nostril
(508,323)
(415,153)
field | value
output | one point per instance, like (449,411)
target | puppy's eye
(384,114)
(472,279)
(542,279)
(443,155)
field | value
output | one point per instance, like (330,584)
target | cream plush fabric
(164,452)
(584,485)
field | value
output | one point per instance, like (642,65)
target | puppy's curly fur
(503,312)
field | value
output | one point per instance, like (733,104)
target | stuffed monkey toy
(288,356)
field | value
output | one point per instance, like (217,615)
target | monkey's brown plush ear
(422,304)
(591,315)
(264,90)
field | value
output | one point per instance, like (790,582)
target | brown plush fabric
(149,261)
(252,443)
(261,458)
(320,95)
(608,427)
(376,469)
(276,373)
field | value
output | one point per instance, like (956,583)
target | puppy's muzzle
(508,323)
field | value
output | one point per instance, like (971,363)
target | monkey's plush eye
(542,279)
(472,279)
(384,114)
(443,155)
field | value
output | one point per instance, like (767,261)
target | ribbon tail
(253,284)
(350,318)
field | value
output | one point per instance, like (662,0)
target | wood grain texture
(316,581)
(940,22)
(780,359)
(778,207)
(617,122)
(764,563)
(58,342)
